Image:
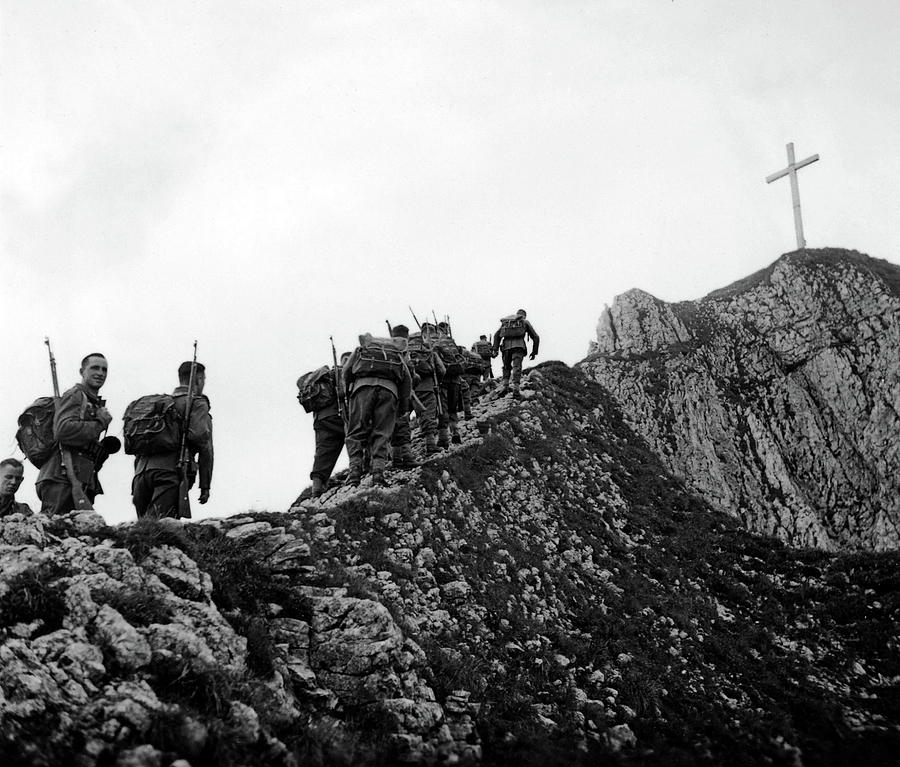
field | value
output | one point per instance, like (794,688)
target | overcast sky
(261,175)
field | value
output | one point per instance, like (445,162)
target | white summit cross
(791,170)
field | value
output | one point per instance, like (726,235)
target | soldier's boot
(444,437)
(468,415)
(431,446)
(456,440)
(378,479)
(515,393)
(318,487)
(404,458)
(354,477)
(503,387)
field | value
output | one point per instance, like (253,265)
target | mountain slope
(545,593)
(777,399)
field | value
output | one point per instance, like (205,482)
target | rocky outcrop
(777,399)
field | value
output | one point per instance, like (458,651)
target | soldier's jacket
(75,427)
(518,343)
(12,506)
(199,440)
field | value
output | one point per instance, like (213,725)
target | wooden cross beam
(791,170)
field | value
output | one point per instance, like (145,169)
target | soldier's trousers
(56,497)
(488,369)
(329,443)
(154,493)
(512,366)
(451,402)
(373,410)
(427,417)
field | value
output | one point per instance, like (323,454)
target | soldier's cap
(427,326)
(400,330)
(482,338)
(521,311)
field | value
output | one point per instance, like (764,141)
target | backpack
(380,358)
(35,433)
(420,355)
(152,425)
(474,363)
(450,355)
(512,326)
(482,347)
(316,389)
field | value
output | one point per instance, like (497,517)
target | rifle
(184,501)
(343,410)
(390,329)
(437,388)
(82,502)
(418,324)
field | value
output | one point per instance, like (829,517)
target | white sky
(261,175)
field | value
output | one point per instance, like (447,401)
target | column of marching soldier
(364,403)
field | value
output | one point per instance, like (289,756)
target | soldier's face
(93,374)
(10,479)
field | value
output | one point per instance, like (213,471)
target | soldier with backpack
(321,393)
(154,428)
(482,347)
(450,386)
(68,477)
(379,385)
(401,441)
(510,341)
(473,369)
(428,369)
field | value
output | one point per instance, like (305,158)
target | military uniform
(374,405)
(483,349)
(450,392)
(9,505)
(426,392)
(77,428)
(330,434)
(155,487)
(513,351)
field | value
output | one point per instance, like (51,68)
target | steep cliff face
(777,399)
(545,593)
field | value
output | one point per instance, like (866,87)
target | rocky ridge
(777,399)
(545,593)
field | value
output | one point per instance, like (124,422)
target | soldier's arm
(404,390)
(200,425)
(496,345)
(439,367)
(205,459)
(535,338)
(72,425)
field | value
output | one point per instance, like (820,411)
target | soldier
(379,384)
(429,368)
(401,441)
(472,372)
(512,332)
(81,417)
(155,490)
(11,474)
(329,426)
(450,386)
(482,347)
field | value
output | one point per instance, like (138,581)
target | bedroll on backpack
(316,389)
(152,425)
(512,326)
(35,433)
(380,358)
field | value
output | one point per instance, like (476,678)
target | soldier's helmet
(400,331)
